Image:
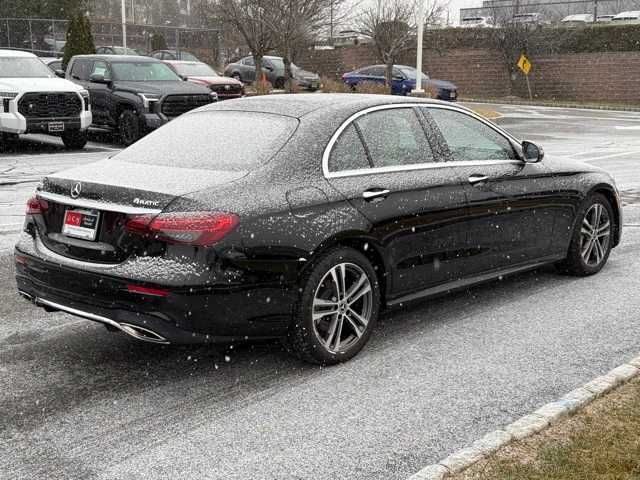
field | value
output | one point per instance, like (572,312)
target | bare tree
(251,19)
(295,24)
(392,26)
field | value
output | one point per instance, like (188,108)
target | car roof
(16,54)
(119,58)
(297,106)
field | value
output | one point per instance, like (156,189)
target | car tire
(74,139)
(279,84)
(128,127)
(592,238)
(337,309)
(236,76)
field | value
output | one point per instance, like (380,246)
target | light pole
(418,89)
(124,24)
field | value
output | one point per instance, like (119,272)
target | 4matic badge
(146,203)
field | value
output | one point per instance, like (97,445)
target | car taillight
(190,228)
(36,206)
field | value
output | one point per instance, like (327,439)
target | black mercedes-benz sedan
(301,217)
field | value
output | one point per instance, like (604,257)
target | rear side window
(81,69)
(470,139)
(348,153)
(395,137)
(214,140)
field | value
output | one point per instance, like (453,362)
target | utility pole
(124,23)
(418,91)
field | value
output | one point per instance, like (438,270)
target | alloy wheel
(342,307)
(595,235)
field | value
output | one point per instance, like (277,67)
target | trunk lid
(112,191)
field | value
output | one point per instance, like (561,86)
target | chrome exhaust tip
(26,295)
(142,333)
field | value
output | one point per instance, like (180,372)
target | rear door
(385,165)
(510,219)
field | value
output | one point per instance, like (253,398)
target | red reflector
(36,206)
(156,292)
(21,259)
(191,228)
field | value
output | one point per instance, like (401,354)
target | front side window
(348,153)
(143,72)
(81,70)
(248,61)
(470,139)
(101,68)
(395,137)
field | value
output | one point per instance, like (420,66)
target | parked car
(34,100)
(631,17)
(403,81)
(54,64)
(335,207)
(604,18)
(533,18)
(174,55)
(203,74)
(133,95)
(477,22)
(111,50)
(579,19)
(244,70)
(350,37)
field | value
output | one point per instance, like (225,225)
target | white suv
(34,100)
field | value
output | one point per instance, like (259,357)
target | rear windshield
(214,140)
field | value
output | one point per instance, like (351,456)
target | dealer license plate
(81,224)
(56,126)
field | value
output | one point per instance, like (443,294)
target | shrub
(262,87)
(158,42)
(373,88)
(330,85)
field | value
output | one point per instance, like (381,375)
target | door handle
(478,179)
(375,193)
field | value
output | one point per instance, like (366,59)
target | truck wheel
(74,139)
(128,127)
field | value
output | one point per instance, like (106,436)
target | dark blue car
(403,81)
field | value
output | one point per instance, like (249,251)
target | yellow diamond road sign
(524,64)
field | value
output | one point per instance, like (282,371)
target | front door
(384,164)
(510,218)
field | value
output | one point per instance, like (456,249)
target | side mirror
(98,78)
(268,67)
(532,152)
(397,78)
(59,73)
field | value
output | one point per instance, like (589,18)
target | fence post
(31,36)
(8,35)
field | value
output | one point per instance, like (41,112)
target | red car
(203,74)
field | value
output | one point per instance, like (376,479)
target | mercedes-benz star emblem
(75,191)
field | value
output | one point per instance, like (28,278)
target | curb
(530,424)
(526,103)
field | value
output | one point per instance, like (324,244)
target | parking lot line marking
(613,155)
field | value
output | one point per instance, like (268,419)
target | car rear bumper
(180,315)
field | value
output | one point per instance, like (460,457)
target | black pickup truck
(132,95)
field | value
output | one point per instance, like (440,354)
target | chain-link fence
(47,37)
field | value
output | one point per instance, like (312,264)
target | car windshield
(25,67)
(195,69)
(243,141)
(410,73)
(143,72)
